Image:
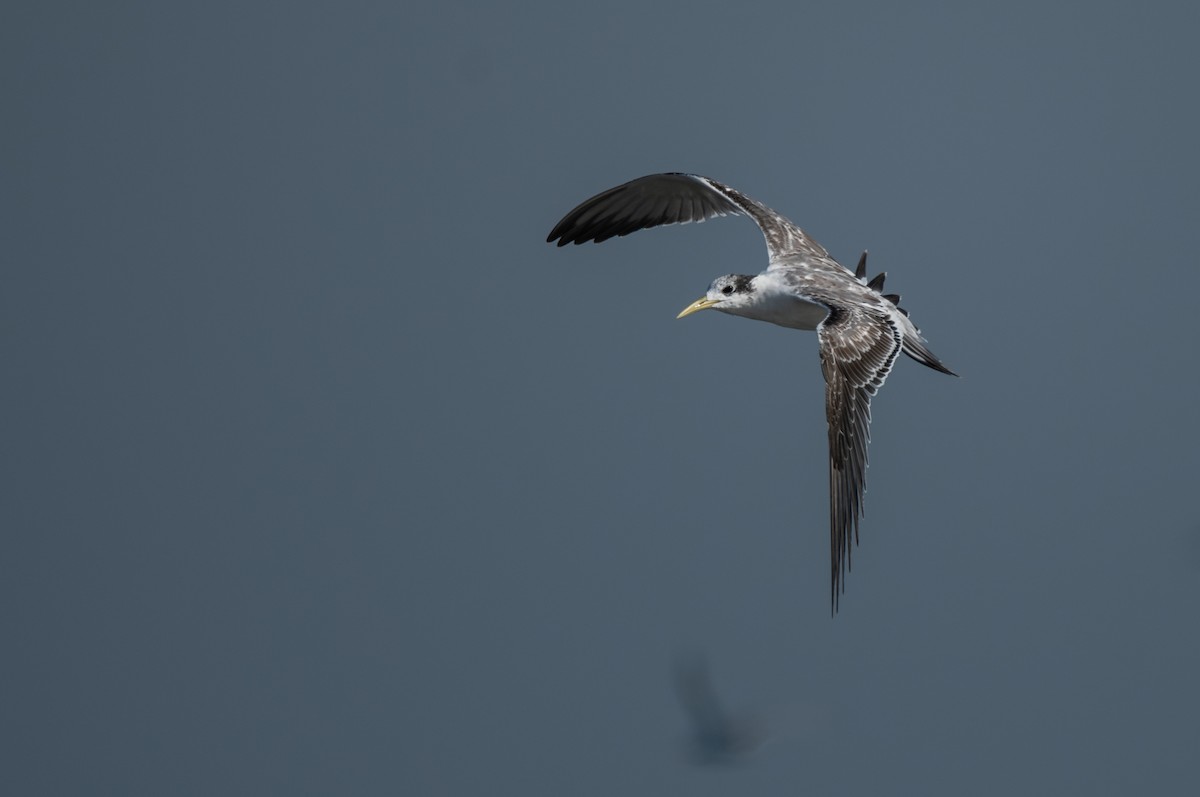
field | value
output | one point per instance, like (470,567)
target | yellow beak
(697,306)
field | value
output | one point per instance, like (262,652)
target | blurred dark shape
(717,736)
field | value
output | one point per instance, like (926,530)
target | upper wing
(858,348)
(675,198)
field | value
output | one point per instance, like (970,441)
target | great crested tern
(860,330)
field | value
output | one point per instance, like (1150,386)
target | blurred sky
(324,474)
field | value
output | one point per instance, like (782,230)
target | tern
(860,330)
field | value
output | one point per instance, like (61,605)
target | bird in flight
(860,330)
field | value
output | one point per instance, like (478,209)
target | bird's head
(729,294)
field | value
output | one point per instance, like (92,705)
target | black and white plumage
(860,331)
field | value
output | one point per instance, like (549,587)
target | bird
(860,330)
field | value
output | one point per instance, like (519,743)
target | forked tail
(914,344)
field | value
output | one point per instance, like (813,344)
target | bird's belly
(792,312)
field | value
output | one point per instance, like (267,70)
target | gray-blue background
(323,474)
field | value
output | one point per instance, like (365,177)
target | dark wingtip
(876,283)
(860,271)
(561,239)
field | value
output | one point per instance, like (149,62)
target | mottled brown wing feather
(858,349)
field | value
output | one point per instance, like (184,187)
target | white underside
(774,303)
(784,310)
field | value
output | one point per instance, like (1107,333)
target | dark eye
(728,289)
